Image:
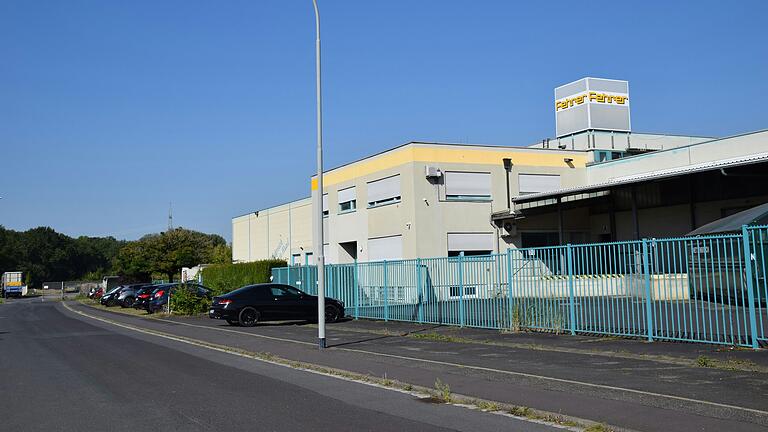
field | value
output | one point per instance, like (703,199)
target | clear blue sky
(111,109)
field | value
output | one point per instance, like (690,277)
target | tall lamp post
(319,203)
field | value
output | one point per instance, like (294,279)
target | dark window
(539,239)
(468,291)
(279,292)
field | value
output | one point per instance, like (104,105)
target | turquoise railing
(709,289)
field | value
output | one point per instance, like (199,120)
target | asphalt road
(61,372)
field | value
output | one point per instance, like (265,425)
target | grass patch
(598,428)
(442,391)
(730,364)
(704,361)
(439,337)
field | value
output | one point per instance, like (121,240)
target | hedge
(222,278)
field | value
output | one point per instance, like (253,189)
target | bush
(184,301)
(223,278)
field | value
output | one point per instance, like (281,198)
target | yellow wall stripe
(465,155)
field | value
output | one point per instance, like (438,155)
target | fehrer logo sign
(592,97)
(592,104)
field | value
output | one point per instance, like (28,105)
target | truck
(109,282)
(13,284)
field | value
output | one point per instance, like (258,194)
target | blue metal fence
(709,289)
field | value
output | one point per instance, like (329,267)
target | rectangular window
(296,259)
(468,291)
(467,185)
(347,200)
(470,243)
(385,248)
(309,259)
(535,183)
(325,204)
(384,191)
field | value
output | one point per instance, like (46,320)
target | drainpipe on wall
(508,168)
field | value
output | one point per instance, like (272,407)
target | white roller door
(385,248)
(534,183)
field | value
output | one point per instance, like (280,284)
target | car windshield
(115,289)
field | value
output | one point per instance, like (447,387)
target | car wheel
(248,317)
(111,302)
(127,302)
(233,322)
(332,313)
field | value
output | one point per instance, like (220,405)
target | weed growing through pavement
(443,391)
(704,361)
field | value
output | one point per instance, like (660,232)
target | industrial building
(596,181)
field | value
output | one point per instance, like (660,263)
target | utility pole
(319,209)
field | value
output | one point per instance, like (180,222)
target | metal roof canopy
(754,216)
(648,176)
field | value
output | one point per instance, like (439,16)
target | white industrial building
(595,181)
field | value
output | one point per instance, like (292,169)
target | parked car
(96,292)
(159,297)
(109,298)
(143,296)
(127,294)
(251,304)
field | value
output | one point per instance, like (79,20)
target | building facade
(589,184)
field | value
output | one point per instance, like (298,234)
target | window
(384,191)
(535,183)
(467,185)
(539,239)
(468,291)
(309,259)
(347,200)
(296,259)
(283,291)
(385,248)
(325,205)
(470,243)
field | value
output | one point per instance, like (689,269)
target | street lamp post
(319,203)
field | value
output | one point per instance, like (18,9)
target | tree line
(46,255)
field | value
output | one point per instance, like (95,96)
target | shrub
(222,278)
(185,302)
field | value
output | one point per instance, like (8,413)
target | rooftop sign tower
(592,104)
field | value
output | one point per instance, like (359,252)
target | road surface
(60,371)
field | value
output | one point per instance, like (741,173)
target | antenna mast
(170,216)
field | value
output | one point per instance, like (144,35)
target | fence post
(648,306)
(419,290)
(357,291)
(750,285)
(386,293)
(329,281)
(461,289)
(571,303)
(509,285)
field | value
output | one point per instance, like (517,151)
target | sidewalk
(626,383)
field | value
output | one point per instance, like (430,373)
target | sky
(112,110)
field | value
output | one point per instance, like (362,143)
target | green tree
(168,252)
(221,254)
